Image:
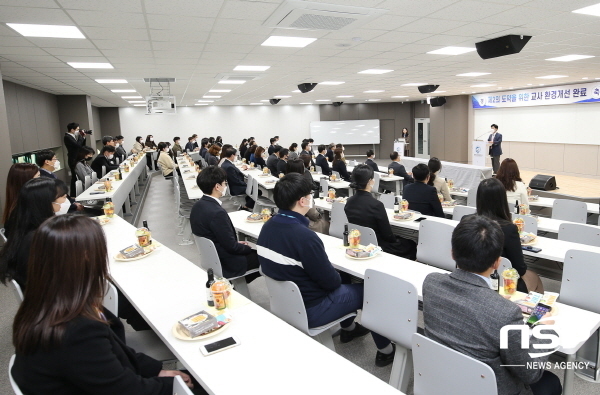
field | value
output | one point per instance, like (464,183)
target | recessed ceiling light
(206,101)
(251,68)
(394,97)
(284,41)
(201,104)
(220,90)
(375,71)
(139,105)
(236,82)
(529,84)
(323,100)
(53,31)
(570,58)
(211,97)
(113,81)
(331,83)
(257,104)
(482,85)
(551,77)
(415,84)
(297,91)
(137,101)
(374,91)
(345,96)
(590,10)
(131,97)
(451,51)
(264,100)
(123,90)
(585,78)
(474,74)
(89,65)
(305,103)
(373,99)
(281,97)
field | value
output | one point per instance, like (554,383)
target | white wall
(233,123)
(563,124)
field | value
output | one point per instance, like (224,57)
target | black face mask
(88,159)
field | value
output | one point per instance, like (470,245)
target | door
(422,138)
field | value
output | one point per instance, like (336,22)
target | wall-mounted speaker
(437,101)
(543,182)
(307,87)
(428,88)
(274,101)
(337,103)
(501,46)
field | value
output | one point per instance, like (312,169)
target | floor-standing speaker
(543,182)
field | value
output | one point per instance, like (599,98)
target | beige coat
(166,163)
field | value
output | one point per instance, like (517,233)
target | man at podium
(495,144)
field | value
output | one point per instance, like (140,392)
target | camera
(86,131)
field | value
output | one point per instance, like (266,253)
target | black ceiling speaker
(307,87)
(428,88)
(437,101)
(501,46)
(337,103)
(274,101)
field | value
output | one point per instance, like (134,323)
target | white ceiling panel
(125,44)
(108,19)
(44,16)
(205,8)
(75,52)
(103,5)
(247,10)
(470,11)
(181,23)
(31,3)
(178,35)
(106,33)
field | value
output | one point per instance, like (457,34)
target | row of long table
(273,357)
(574,327)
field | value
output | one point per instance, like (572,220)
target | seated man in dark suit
(283,158)
(235,178)
(399,169)
(422,197)
(47,162)
(273,143)
(208,219)
(329,154)
(370,162)
(307,150)
(321,160)
(461,311)
(104,159)
(273,159)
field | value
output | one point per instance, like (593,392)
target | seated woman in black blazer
(38,200)
(65,341)
(339,164)
(257,156)
(492,203)
(364,210)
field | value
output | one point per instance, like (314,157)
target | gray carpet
(159,210)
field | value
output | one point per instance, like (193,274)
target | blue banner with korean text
(541,96)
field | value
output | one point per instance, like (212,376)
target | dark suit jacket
(235,178)
(92,358)
(202,151)
(400,171)
(73,145)
(272,161)
(371,162)
(462,312)
(208,219)
(121,153)
(100,161)
(322,162)
(270,149)
(496,147)
(312,162)
(423,198)
(280,167)
(212,160)
(46,173)
(329,155)
(189,147)
(258,161)
(340,167)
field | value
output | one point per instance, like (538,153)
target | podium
(479,152)
(399,146)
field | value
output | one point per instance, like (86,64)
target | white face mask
(224,191)
(151,139)
(117,144)
(311,204)
(57,165)
(111,156)
(64,207)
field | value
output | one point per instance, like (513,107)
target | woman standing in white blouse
(510,177)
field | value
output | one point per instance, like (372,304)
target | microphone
(481,135)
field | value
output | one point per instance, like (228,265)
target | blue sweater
(289,251)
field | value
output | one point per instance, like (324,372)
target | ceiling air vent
(306,15)
(159,79)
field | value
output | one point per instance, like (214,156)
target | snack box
(256,217)
(533,198)
(527,237)
(449,203)
(197,324)
(403,215)
(358,253)
(132,251)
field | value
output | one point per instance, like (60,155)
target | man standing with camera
(74,139)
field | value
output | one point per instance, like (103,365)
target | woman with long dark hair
(212,157)
(150,144)
(18,175)
(243,147)
(510,176)
(439,183)
(364,210)
(65,341)
(256,156)
(492,203)
(339,164)
(38,200)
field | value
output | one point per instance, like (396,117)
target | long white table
(385,177)
(188,177)
(464,175)
(121,190)
(574,325)
(273,357)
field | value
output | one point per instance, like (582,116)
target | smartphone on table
(219,345)
(538,312)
